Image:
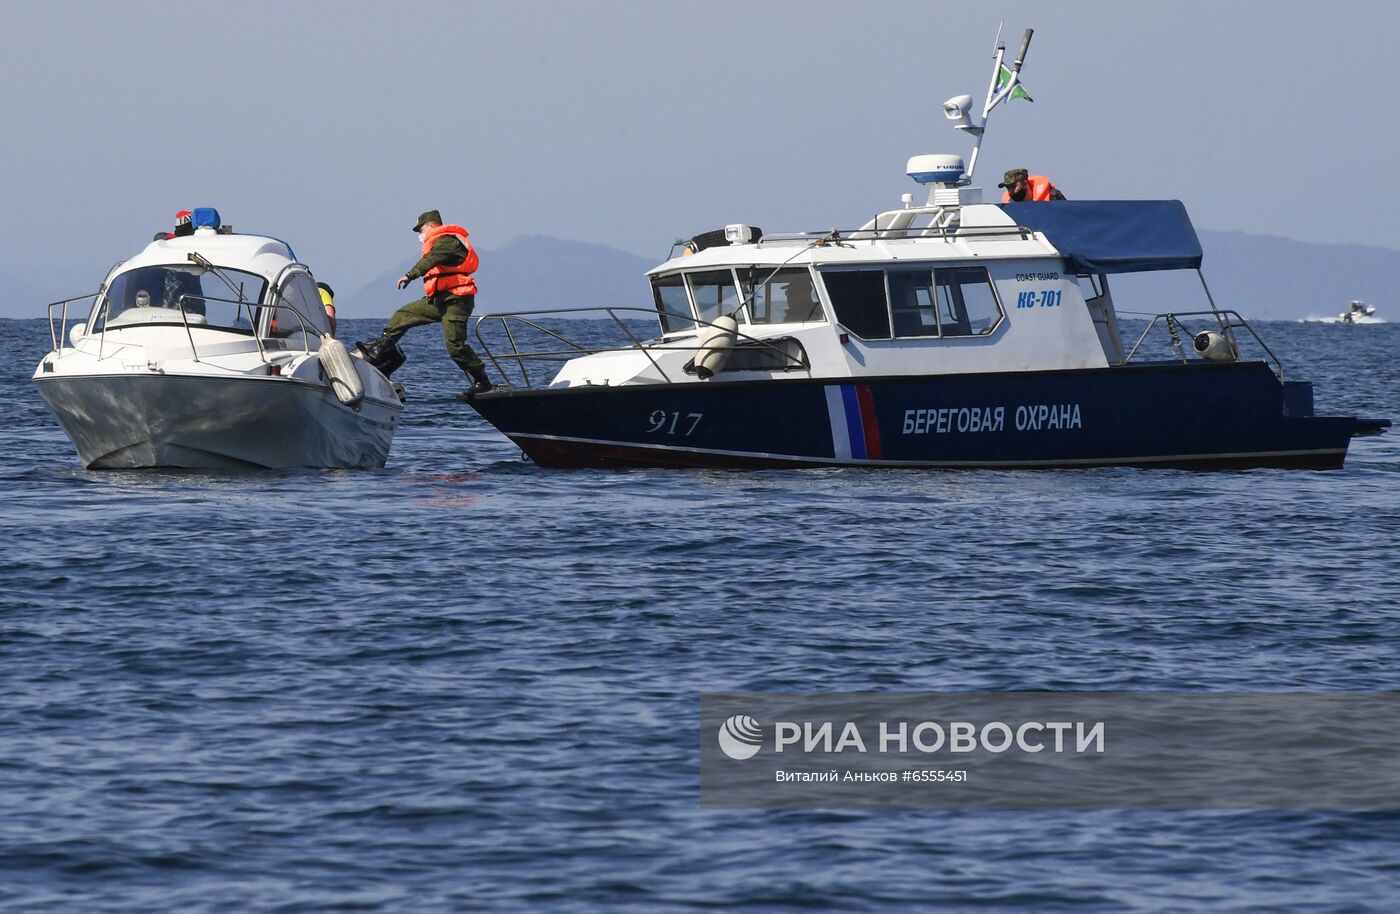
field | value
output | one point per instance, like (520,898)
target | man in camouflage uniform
(449,295)
(1021,186)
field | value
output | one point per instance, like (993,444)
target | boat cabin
(214,282)
(942,289)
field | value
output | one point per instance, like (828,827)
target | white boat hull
(162,420)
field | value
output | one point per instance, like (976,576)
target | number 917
(674,423)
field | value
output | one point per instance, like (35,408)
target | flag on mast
(1004,76)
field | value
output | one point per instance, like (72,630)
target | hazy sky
(630,123)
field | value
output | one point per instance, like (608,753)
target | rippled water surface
(463,683)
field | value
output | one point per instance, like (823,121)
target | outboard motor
(383,353)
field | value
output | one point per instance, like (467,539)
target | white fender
(340,370)
(714,347)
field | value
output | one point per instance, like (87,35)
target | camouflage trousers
(452,312)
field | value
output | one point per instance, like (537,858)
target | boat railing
(898,230)
(1228,321)
(59,332)
(890,225)
(306,333)
(512,322)
(180,303)
(188,297)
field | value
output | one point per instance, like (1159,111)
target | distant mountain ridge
(1272,278)
(1261,276)
(529,273)
(20,298)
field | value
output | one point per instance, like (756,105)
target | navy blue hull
(1197,415)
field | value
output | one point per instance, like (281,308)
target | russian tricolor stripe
(855,435)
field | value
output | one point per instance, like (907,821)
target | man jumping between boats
(449,294)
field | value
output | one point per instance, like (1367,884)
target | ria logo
(740,737)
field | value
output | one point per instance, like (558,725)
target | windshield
(155,295)
(672,306)
(300,318)
(715,294)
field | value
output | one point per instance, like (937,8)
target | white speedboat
(213,351)
(952,333)
(1358,312)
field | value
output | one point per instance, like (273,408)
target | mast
(956,109)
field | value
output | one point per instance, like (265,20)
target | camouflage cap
(1011,177)
(431,215)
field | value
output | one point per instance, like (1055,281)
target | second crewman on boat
(1022,186)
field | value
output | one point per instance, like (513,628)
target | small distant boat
(1358,312)
(212,351)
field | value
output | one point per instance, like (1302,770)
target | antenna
(956,109)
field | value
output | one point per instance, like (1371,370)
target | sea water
(463,683)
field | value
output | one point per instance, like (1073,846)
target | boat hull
(1208,415)
(217,423)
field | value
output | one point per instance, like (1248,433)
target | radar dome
(936,169)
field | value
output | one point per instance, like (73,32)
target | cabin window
(783,296)
(156,295)
(912,303)
(715,294)
(967,305)
(672,305)
(858,296)
(299,308)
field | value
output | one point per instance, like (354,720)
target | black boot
(480,384)
(383,353)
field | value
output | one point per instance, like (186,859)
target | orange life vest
(1038,187)
(455,279)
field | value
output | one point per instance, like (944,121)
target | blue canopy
(1114,236)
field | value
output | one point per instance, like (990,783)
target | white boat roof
(984,231)
(260,254)
(1090,236)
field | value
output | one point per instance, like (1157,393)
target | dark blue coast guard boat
(954,333)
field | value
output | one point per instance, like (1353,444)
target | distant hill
(1271,278)
(19,298)
(530,273)
(1261,276)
